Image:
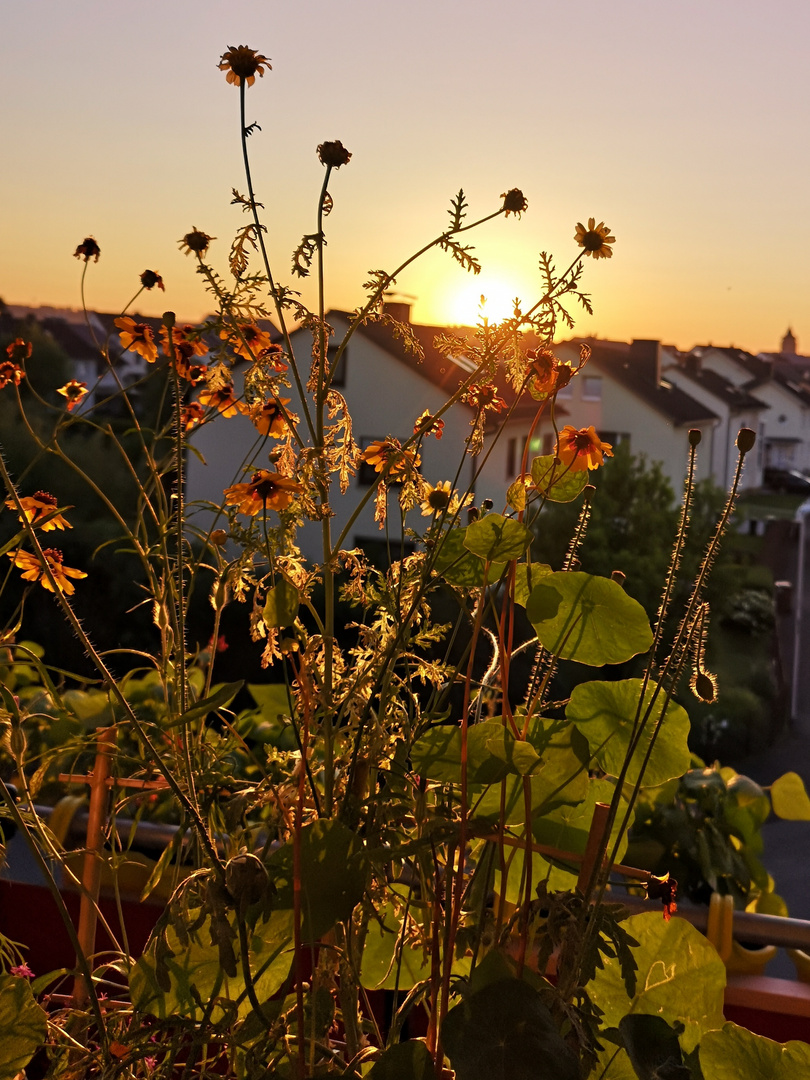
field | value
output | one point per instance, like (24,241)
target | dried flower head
(267,490)
(34,570)
(195,241)
(581,449)
(137,337)
(664,889)
(334,154)
(10,373)
(514,202)
(240,62)
(74,391)
(88,249)
(149,279)
(37,508)
(595,239)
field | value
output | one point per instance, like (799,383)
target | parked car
(789,480)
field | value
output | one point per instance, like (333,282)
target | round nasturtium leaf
(555,482)
(281,605)
(605,712)
(734,1052)
(789,798)
(589,619)
(497,539)
(680,977)
(458,565)
(527,575)
(23,1025)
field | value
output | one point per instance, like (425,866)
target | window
(514,456)
(339,376)
(591,388)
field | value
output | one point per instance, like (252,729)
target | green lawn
(765,504)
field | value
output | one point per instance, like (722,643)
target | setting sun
(492,298)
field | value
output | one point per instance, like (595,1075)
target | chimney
(644,359)
(397,310)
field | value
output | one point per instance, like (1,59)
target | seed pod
(246,879)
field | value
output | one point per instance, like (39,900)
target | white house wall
(385,397)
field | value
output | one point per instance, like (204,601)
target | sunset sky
(684,126)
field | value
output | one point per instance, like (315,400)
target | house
(622,393)
(783,423)
(387,388)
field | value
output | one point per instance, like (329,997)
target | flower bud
(695,435)
(619,577)
(745,439)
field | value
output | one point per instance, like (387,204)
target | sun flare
(493,299)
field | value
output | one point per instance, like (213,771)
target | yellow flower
(387,455)
(595,239)
(436,498)
(222,399)
(39,506)
(267,490)
(427,424)
(34,570)
(270,418)
(74,391)
(248,341)
(580,450)
(243,63)
(10,373)
(138,337)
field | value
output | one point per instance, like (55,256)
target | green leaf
(604,712)
(497,539)
(404,1061)
(680,977)
(272,698)
(23,1025)
(515,496)
(333,875)
(195,973)
(505,1032)
(789,798)
(588,619)
(458,565)
(281,603)
(527,576)
(734,1052)
(653,1048)
(567,827)
(493,753)
(223,695)
(556,483)
(437,754)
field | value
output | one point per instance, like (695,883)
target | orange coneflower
(222,399)
(387,455)
(10,373)
(248,341)
(36,508)
(581,449)
(240,62)
(138,337)
(271,417)
(267,490)
(34,570)
(74,391)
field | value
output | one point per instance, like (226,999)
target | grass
(760,505)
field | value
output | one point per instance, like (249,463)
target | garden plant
(395,859)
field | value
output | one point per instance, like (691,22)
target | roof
(756,366)
(735,398)
(675,404)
